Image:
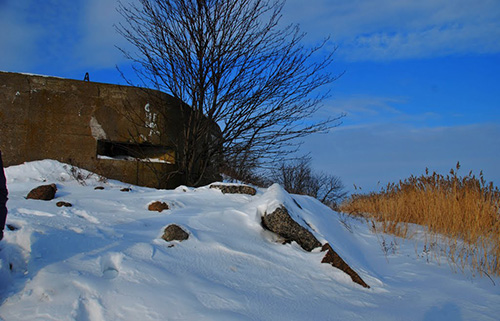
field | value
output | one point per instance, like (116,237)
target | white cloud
(80,34)
(437,41)
(365,109)
(386,29)
(58,36)
(99,41)
(365,106)
(18,39)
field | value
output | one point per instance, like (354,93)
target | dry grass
(466,210)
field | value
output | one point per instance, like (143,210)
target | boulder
(174,233)
(158,206)
(331,257)
(281,223)
(235,189)
(43,192)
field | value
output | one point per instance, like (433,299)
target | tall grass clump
(461,212)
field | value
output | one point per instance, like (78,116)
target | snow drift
(104,259)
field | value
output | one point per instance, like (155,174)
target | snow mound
(104,259)
(51,171)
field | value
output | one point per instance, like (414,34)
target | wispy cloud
(68,35)
(80,33)
(366,110)
(365,106)
(100,39)
(18,39)
(386,29)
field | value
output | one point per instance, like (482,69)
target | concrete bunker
(121,132)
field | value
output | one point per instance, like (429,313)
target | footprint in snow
(85,215)
(110,265)
(12,260)
(88,309)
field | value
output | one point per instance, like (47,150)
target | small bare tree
(237,67)
(297,177)
(331,192)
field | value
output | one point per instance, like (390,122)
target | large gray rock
(281,223)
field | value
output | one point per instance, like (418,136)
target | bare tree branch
(234,64)
(297,177)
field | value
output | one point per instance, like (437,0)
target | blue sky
(421,86)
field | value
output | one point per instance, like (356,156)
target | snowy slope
(103,259)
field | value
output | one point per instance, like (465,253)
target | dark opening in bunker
(131,151)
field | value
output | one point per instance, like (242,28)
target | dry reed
(465,210)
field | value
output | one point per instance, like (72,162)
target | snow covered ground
(104,259)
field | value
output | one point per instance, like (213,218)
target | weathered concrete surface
(62,119)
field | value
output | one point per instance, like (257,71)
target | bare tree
(331,192)
(297,177)
(237,67)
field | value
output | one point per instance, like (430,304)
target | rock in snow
(174,232)
(65,204)
(43,192)
(280,222)
(235,189)
(331,257)
(158,206)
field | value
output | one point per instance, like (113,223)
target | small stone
(65,204)
(174,233)
(125,189)
(12,227)
(99,188)
(158,206)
